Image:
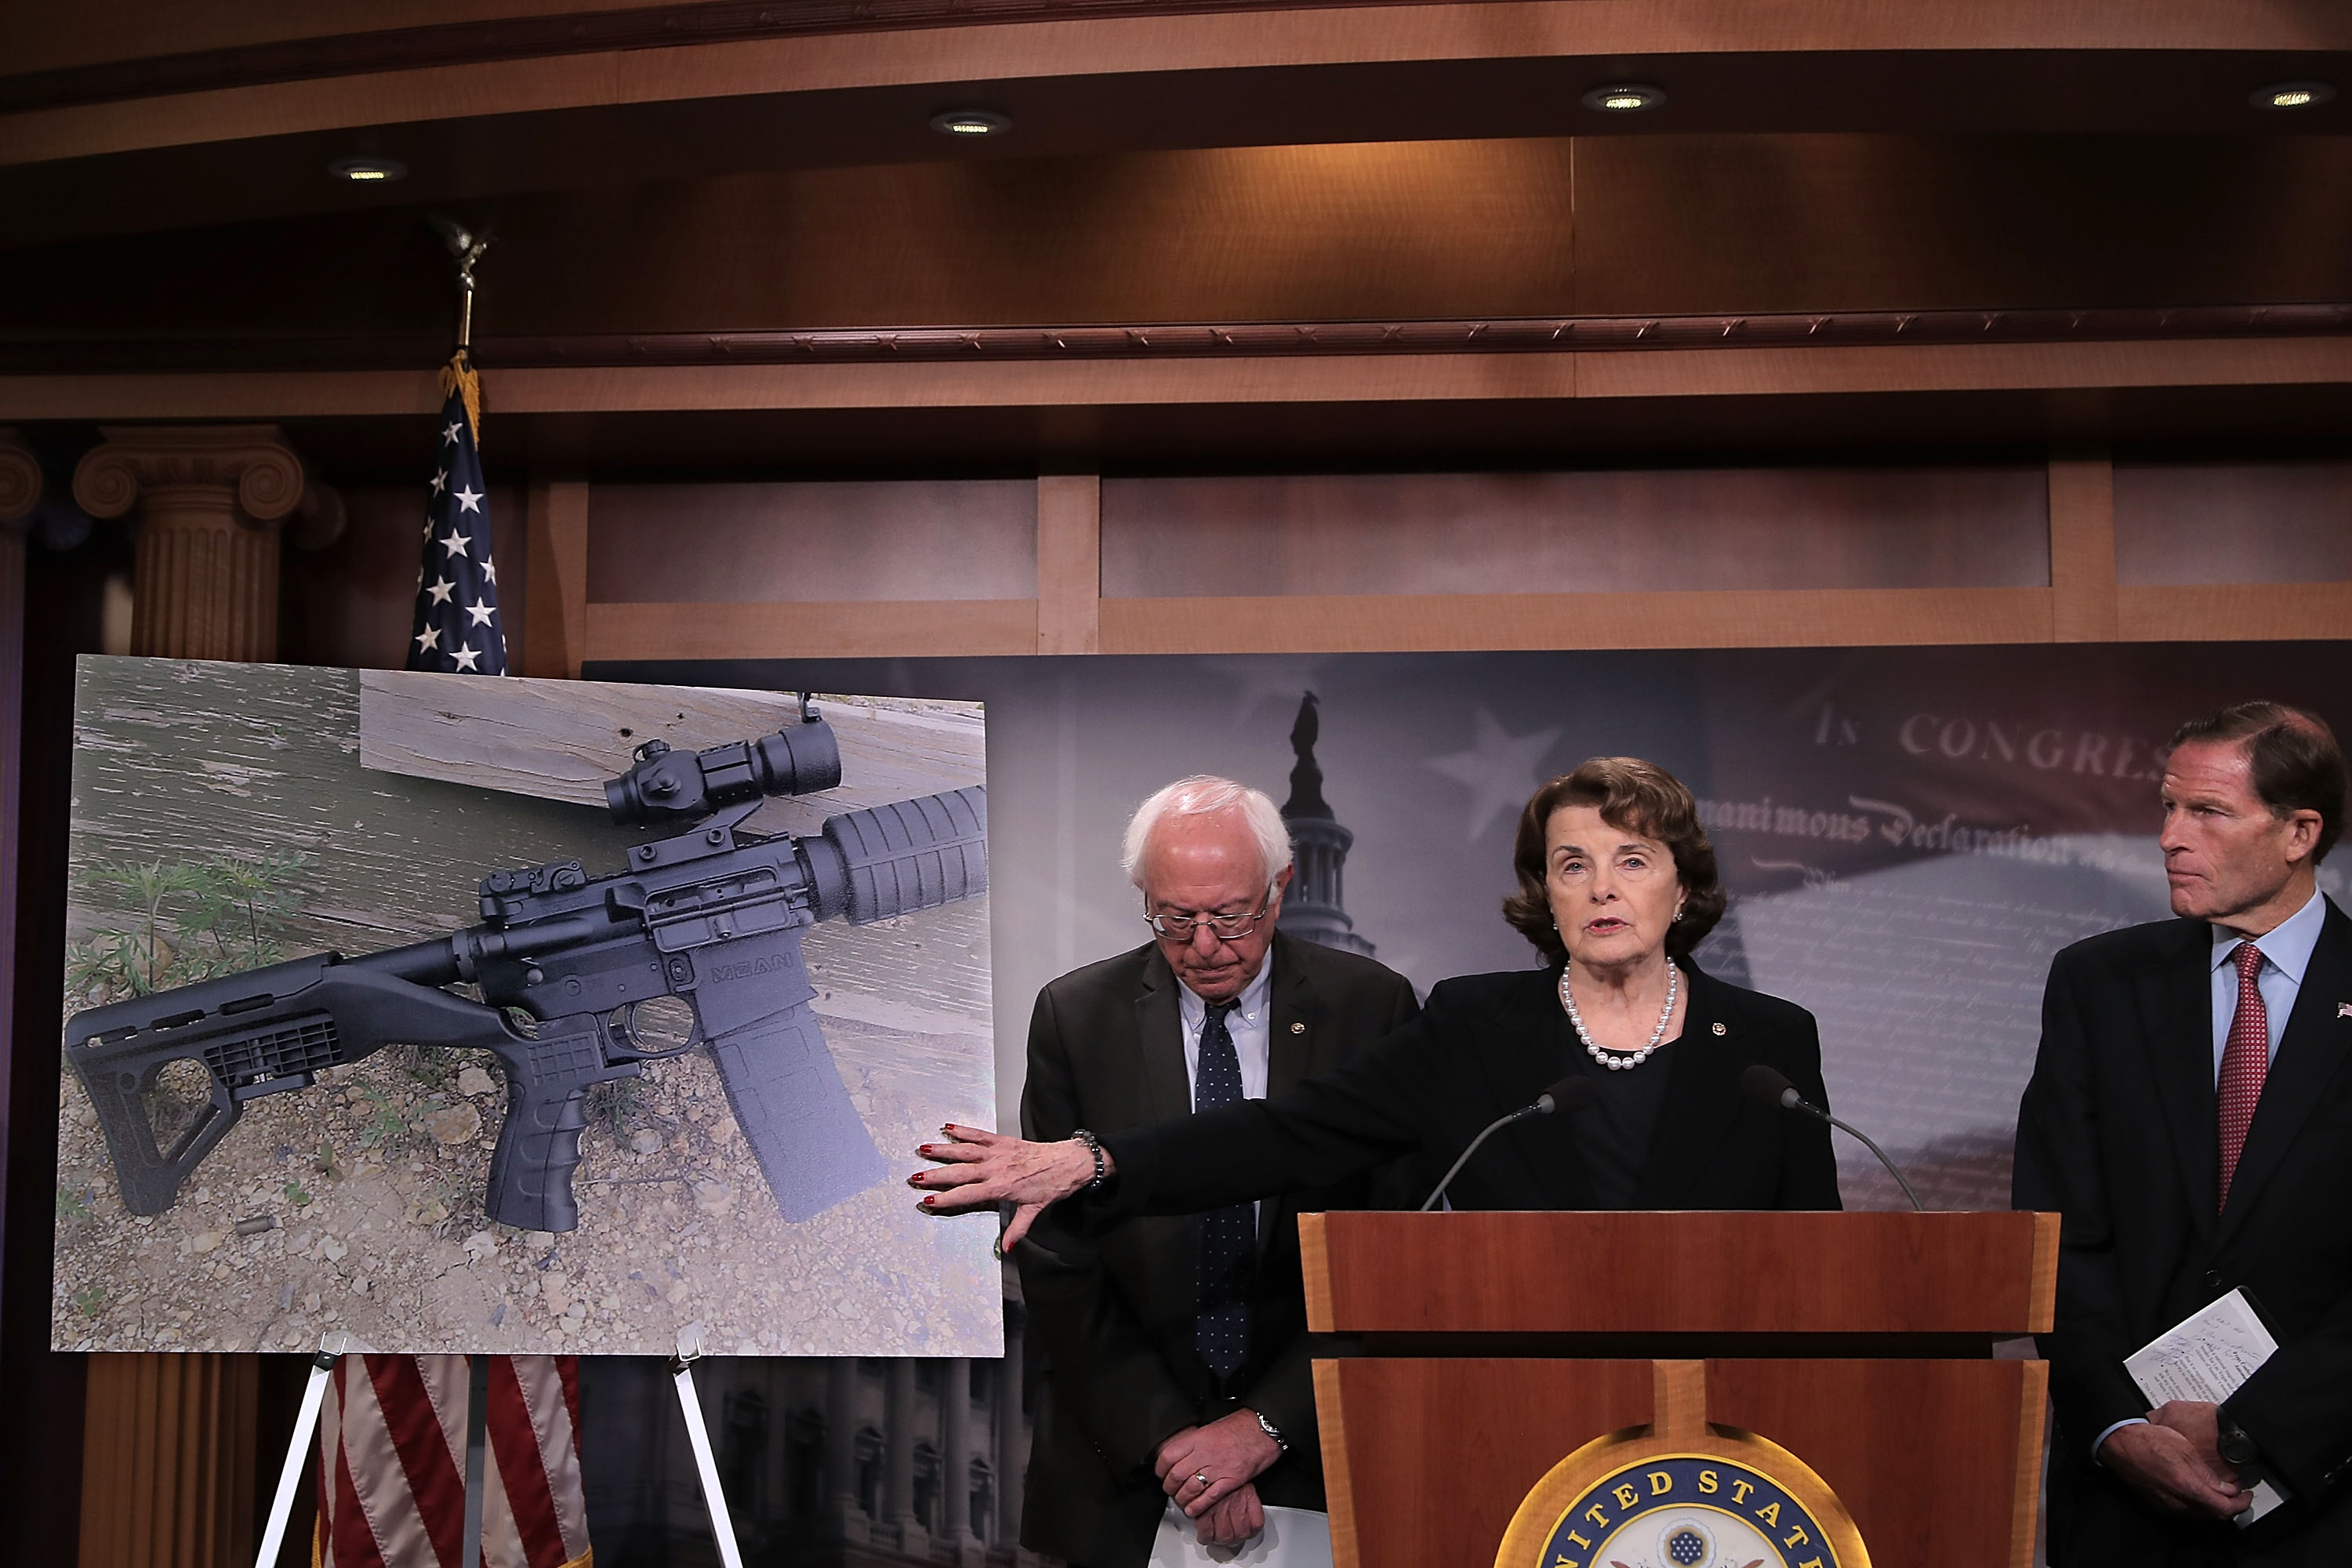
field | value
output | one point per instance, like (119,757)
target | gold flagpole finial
(459,375)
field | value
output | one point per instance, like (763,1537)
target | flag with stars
(456,629)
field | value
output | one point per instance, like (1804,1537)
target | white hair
(1205,795)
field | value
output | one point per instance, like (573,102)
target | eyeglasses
(1225,928)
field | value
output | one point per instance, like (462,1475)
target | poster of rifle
(470,1015)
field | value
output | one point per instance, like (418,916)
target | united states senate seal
(1682,1492)
(1688,1510)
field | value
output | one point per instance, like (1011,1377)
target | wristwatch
(1272,1431)
(2234,1446)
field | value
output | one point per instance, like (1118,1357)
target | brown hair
(2292,755)
(1636,798)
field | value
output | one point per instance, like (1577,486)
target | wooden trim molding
(1150,340)
(853,629)
(1245,378)
(1870,617)
(1069,564)
(2082,549)
(2236,612)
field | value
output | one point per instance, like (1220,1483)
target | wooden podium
(1492,1346)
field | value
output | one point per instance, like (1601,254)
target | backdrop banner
(1907,834)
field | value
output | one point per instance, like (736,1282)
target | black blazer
(2117,1133)
(1112,1309)
(1486,1045)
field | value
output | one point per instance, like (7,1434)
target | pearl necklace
(1592,1048)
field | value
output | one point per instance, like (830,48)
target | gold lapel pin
(1721,1030)
(1297,1028)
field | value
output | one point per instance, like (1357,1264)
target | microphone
(1772,1086)
(1573,1093)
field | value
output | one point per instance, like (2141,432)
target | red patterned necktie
(2245,1061)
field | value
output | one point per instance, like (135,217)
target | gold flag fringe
(459,376)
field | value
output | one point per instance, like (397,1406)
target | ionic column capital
(252,459)
(20,481)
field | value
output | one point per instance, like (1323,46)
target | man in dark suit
(2190,1117)
(1175,1347)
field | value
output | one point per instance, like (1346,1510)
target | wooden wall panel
(1593,532)
(821,542)
(557,552)
(1924,223)
(2209,524)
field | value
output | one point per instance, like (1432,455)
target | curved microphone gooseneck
(1572,1093)
(1773,1088)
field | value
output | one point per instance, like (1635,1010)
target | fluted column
(840,1502)
(168,1440)
(897,1511)
(20,491)
(955,1451)
(167,1461)
(1012,1438)
(210,500)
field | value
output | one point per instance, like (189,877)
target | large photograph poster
(737,1009)
(1908,835)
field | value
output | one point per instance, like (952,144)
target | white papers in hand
(1293,1538)
(2206,1357)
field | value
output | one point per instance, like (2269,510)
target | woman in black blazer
(1617,884)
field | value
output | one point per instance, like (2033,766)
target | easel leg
(298,1454)
(478,1419)
(722,1524)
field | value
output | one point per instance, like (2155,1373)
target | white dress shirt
(2286,954)
(1251,1024)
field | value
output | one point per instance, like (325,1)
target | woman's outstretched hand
(981,1169)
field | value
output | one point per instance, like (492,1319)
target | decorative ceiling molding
(1548,334)
(592,32)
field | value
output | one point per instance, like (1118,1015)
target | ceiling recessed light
(2292,95)
(971,122)
(1625,97)
(368,170)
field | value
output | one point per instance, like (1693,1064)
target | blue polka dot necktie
(1228,1236)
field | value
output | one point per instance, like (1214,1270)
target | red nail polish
(929,1198)
(925,1150)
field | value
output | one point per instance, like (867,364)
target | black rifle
(564,960)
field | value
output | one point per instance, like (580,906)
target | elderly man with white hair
(1177,1346)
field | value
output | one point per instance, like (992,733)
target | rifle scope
(666,786)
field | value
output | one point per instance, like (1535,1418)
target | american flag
(456,629)
(392,1433)
(392,1464)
